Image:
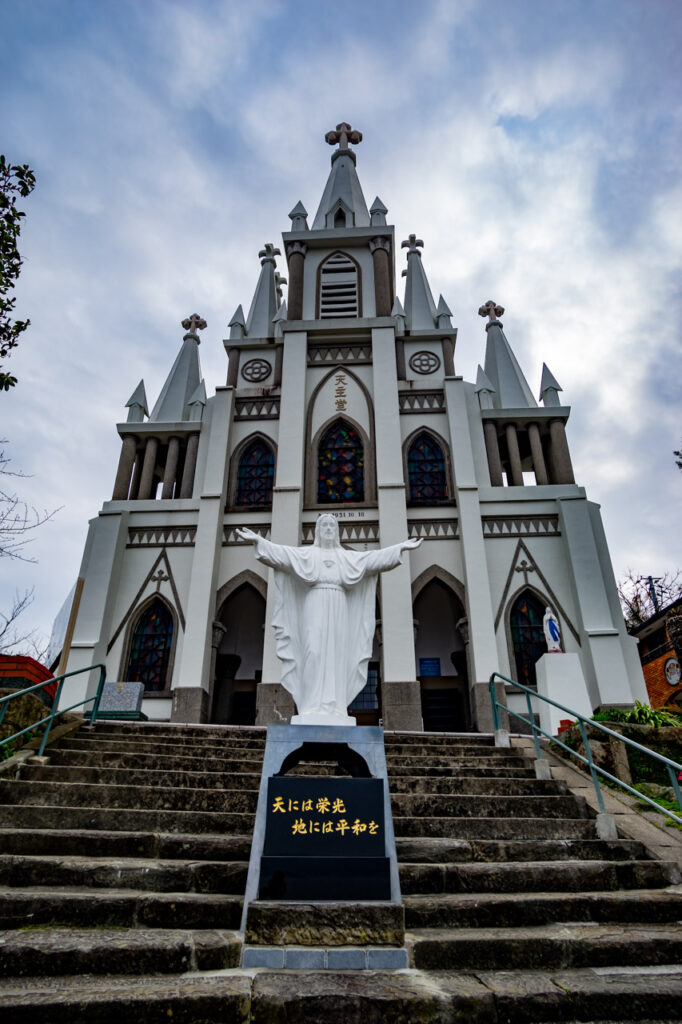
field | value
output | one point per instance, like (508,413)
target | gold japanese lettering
(299,828)
(342,826)
(338,807)
(278,805)
(322,805)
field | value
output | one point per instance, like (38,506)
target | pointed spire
(399,313)
(501,366)
(137,404)
(420,309)
(298,217)
(173,403)
(264,304)
(484,389)
(443,315)
(197,402)
(237,324)
(343,192)
(549,387)
(378,213)
(278,319)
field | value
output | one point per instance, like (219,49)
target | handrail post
(531,719)
(593,771)
(48,725)
(98,695)
(676,785)
(493,701)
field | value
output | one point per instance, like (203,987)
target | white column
(482,646)
(191,680)
(401,694)
(273,703)
(610,679)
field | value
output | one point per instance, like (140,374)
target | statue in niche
(323,617)
(552,632)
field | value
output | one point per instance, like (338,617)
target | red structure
(18,671)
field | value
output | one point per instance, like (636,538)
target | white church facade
(346,398)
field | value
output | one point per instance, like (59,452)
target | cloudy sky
(534,145)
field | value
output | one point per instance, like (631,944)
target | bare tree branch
(12,639)
(636,599)
(18,519)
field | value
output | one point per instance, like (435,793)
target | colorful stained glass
(151,647)
(426,471)
(255,475)
(340,464)
(528,638)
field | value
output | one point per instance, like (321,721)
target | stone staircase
(123,863)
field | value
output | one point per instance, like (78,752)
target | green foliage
(15,181)
(10,749)
(641,714)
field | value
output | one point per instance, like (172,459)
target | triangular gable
(161,561)
(532,566)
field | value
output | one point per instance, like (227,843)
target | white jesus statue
(323,617)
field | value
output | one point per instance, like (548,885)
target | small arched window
(341,465)
(339,287)
(255,475)
(150,648)
(528,638)
(426,471)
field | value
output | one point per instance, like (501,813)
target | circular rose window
(424,362)
(256,370)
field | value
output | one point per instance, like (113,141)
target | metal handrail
(96,697)
(674,769)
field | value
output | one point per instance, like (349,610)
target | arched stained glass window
(255,475)
(340,462)
(426,471)
(151,647)
(528,638)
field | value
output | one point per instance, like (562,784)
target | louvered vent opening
(339,288)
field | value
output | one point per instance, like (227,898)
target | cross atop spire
(342,136)
(411,245)
(492,310)
(268,253)
(194,323)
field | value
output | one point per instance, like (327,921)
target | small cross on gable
(342,136)
(194,323)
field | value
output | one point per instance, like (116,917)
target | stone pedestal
(190,704)
(401,707)
(274,704)
(482,708)
(560,677)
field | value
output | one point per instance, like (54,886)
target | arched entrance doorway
(239,658)
(440,652)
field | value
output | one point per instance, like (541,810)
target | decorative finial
(193,324)
(342,136)
(492,310)
(411,244)
(268,253)
(279,281)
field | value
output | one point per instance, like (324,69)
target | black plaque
(324,840)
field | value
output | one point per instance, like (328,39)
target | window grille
(368,698)
(340,461)
(151,647)
(255,475)
(339,292)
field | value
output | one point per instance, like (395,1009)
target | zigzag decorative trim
(421,401)
(230,533)
(521,526)
(434,529)
(256,409)
(350,532)
(161,536)
(359,352)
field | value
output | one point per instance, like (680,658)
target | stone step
(457,851)
(458,770)
(438,739)
(248,749)
(154,762)
(502,763)
(494,828)
(516,910)
(199,732)
(70,794)
(122,908)
(649,995)
(444,806)
(500,786)
(49,952)
(124,873)
(166,846)
(324,924)
(540,876)
(141,777)
(451,750)
(31,816)
(548,947)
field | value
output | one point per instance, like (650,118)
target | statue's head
(327,531)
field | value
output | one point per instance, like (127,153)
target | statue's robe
(323,617)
